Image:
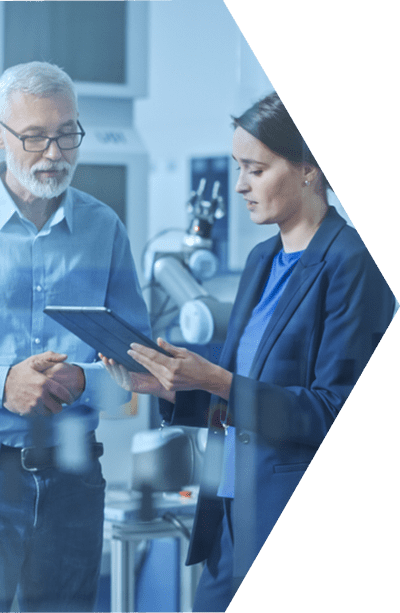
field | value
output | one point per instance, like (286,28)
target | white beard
(51,187)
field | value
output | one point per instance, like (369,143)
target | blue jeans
(51,532)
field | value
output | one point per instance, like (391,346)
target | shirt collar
(64,211)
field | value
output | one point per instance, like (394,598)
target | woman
(310,310)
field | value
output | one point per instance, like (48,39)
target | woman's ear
(310,173)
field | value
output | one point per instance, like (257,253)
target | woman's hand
(140,383)
(184,370)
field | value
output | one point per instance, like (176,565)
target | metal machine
(202,317)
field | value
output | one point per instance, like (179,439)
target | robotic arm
(202,319)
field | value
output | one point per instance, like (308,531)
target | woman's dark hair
(269,122)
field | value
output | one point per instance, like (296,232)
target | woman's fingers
(172,349)
(141,383)
(156,363)
(145,355)
(117,372)
(176,372)
(126,378)
(181,370)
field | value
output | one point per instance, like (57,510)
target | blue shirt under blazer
(329,320)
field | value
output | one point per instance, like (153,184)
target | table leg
(189,578)
(122,576)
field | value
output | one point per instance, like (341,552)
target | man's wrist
(81,378)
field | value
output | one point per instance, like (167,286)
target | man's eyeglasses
(37,144)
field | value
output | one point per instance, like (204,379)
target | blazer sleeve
(353,310)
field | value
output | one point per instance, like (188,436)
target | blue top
(80,257)
(281,269)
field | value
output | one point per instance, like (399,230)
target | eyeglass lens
(40,143)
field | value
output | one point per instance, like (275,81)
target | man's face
(44,174)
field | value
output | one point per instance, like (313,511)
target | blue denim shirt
(80,257)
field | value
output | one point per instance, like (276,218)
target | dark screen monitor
(82,37)
(106,182)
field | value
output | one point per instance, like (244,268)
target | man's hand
(41,384)
(70,376)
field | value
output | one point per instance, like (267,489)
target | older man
(58,246)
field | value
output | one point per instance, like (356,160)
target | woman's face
(271,185)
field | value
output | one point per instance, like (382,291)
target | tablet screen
(103,330)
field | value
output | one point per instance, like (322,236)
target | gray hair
(38,78)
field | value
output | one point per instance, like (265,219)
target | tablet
(103,330)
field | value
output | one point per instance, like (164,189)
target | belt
(35,458)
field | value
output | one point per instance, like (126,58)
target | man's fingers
(59,391)
(42,411)
(44,360)
(51,403)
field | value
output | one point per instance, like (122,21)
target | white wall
(201,71)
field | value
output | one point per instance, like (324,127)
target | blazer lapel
(299,283)
(249,292)
(304,275)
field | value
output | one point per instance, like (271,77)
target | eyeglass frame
(49,139)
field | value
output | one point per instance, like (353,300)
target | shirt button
(38,288)
(244,437)
(37,341)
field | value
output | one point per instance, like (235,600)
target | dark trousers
(216,587)
(51,529)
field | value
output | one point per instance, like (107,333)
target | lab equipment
(167,459)
(202,317)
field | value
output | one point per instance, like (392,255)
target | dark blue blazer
(329,320)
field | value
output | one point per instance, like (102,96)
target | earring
(307,182)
